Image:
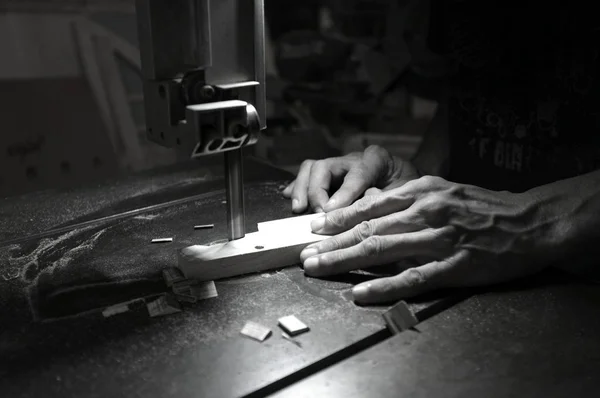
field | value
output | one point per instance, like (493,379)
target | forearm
(572,208)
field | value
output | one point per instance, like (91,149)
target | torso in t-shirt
(525,92)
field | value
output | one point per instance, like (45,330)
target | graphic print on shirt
(526,92)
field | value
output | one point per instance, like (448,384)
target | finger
(355,183)
(372,191)
(319,184)
(367,208)
(411,282)
(397,223)
(300,190)
(363,175)
(287,192)
(376,250)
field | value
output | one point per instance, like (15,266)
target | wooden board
(277,244)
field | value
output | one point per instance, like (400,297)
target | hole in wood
(259,247)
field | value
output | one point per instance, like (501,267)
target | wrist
(570,225)
(542,232)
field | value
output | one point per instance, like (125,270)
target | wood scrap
(115,309)
(123,307)
(162,240)
(255,331)
(292,325)
(399,318)
(186,298)
(277,244)
(204,226)
(181,288)
(204,290)
(172,275)
(164,305)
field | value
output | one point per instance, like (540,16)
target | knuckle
(433,203)
(332,244)
(415,278)
(433,211)
(364,230)
(387,287)
(428,180)
(360,171)
(372,191)
(376,150)
(336,219)
(318,164)
(427,204)
(411,186)
(307,163)
(372,246)
(353,156)
(364,205)
(413,216)
(325,164)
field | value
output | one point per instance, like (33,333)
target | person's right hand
(316,185)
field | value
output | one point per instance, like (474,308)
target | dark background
(72,115)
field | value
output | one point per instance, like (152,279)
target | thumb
(360,177)
(355,183)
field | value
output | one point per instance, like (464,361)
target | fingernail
(317,224)
(319,210)
(295,204)
(308,252)
(360,292)
(311,265)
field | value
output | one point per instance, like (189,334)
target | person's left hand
(469,236)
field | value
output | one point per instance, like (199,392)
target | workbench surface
(54,340)
(536,338)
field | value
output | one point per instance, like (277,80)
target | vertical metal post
(234,180)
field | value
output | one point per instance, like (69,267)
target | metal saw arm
(203,67)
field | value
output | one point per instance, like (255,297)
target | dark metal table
(536,338)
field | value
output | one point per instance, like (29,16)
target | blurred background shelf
(70,78)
